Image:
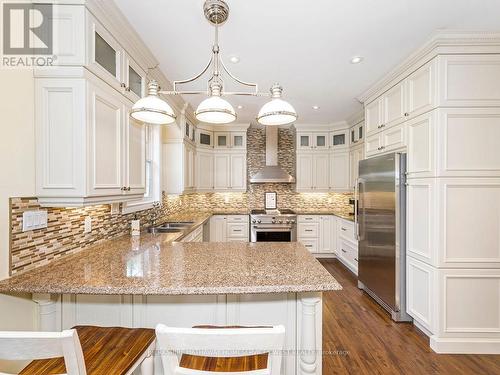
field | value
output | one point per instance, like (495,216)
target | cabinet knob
(407,114)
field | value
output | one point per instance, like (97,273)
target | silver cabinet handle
(356,259)
(344,229)
(344,251)
(308,230)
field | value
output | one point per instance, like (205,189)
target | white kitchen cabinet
(239,140)
(135,155)
(421,87)
(222,170)
(317,233)
(105,55)
(339,139)
(134,79)
(393,104)
(355,156)
(389,140)
(305,172)
(348,254)
(339,171)
(87,148)
(314,140)
(230,171)
(238,172)
(356,134)
(421,288)
(189,167)
(205,138)
(421,140)
(327,227)
(204,170)
(222,140)
(218,228)
(229,228)
(373,116)
(312,172)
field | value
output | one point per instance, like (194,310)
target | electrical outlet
(88,225)
(34,220)
(115,208)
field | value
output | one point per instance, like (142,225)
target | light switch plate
(34,220)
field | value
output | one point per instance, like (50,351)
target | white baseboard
(465,345)
(421,328)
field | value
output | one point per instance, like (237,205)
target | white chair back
(21,346)
(171,343)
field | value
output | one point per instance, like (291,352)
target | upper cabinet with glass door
(308,141)
(356,134)
(231,140)
(135,79)
(339,139)
(105,54)
(205,138)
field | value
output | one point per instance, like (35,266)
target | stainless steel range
(273,226)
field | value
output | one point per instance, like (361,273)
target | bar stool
(83,350)
(209,349)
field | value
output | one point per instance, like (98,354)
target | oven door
(273,233)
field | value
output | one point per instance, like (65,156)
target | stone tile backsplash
(64,234)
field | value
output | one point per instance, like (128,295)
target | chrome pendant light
(215,109)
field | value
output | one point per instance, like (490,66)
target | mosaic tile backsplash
(64,234)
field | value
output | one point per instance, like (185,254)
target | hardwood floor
(369,342)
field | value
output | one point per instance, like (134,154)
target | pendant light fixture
(215,109)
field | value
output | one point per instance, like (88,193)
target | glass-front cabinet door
(304,141)
(222,140)
(205,138)
(135,79)
(339,139)
(239,140)
(320,140)
(105,55)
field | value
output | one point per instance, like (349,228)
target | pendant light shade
(277,111)
(215,110)
(152,109)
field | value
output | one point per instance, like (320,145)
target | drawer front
(346,229)
(309,230)
(237,218)
(348,253)
(311,244)
(239,230)
(308,218)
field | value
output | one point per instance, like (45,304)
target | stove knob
(281,221)
(254,221)
(274,221)
(259,221)
(292,221)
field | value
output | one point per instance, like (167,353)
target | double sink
(171,227)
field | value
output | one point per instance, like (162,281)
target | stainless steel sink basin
(162,229)
(175,224)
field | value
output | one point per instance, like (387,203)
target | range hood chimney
(272,172)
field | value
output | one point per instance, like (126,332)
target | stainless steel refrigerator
(381,229)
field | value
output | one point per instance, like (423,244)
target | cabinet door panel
(321,166)
(135,166)
(304,171)
(393,104)
(222,171)
(373,144)
(238,172)
(373,117)
(421,90)
(326,232)
(106,141)
(339,171)
(205,171)
(393,138)
(304,141)
(420,292)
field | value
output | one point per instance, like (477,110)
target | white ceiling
(304,45)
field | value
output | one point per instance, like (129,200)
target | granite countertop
(155,265)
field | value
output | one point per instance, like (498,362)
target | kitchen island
(146,280)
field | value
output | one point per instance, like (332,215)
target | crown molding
(442,42)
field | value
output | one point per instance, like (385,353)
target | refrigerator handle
(356,197)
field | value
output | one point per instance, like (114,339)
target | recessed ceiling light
(240,107)
(356,59)
(234,59)
(315,106)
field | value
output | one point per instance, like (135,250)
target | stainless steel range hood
(272,172)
